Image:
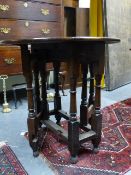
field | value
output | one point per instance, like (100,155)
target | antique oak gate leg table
(89,52)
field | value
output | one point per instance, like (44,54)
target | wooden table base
(87,52)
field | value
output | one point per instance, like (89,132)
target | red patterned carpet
(114,156)
(9,164)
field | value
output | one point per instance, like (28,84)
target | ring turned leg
(32,120)
(57,98)
(73,125)
(36,87)
(45,106)
(96,120)
(83,106)
(91,92)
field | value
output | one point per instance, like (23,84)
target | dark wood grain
(7,54)
(24,19)
(35,29)
(33,11)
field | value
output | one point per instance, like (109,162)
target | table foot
(35,153)
(73,139)
(57,106)
(74,159)
(95,150)
(58,119)
(35,147)
(95,143)
(58,123)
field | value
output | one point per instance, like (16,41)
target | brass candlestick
(5,104)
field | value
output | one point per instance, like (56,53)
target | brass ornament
(6,107)
(50,96)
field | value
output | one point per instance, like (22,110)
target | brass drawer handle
(5,30)
(45,12)
(4,7)
(9,60)
(46,31)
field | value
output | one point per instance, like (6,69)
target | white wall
(84,3)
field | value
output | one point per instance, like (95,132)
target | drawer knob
(27,24)
(45,12)
(25,4)
(9,60)
(4,7)
(46,31)
(5,30)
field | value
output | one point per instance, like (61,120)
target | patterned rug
(9,164)
(114,156)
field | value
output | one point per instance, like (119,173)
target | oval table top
(86,39)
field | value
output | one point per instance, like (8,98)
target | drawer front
(28,10)
(22,29)
(10,61)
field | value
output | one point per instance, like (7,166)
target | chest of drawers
(26,19)
(10,60)
(33,18)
